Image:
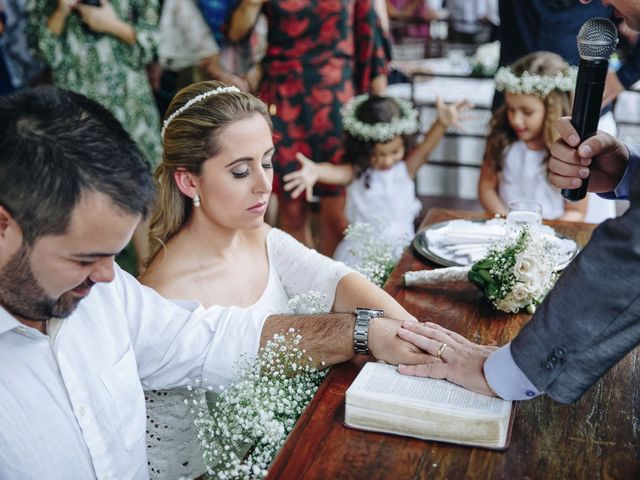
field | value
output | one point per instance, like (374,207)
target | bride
(210,244)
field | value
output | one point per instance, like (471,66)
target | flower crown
(406,124)
(533,84)
(196,99)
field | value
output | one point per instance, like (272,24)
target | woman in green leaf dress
(102,52)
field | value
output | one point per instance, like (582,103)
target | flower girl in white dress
(210,244)
(381,190)
(538,90)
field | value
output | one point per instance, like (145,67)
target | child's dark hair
(376,109)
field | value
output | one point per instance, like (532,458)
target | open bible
(383,400)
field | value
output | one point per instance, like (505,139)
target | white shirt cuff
(505,377)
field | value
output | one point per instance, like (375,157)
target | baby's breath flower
(486,58)
(309,304)
(406,124)
(376,257)
(533,84)
(250,420)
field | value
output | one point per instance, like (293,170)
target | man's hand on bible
(386,345)
(452,356)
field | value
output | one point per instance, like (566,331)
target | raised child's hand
(451,113)
(302,180)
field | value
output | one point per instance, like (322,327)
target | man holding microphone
(591,319)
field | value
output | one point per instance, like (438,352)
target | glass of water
(523,212)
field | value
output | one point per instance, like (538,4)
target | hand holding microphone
(602,159)
(597,40)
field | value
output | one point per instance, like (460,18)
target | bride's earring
(196,200)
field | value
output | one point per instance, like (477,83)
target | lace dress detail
(173,447)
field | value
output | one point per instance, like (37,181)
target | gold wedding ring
(441,349)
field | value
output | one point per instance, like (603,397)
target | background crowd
(305,60)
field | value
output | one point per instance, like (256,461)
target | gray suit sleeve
(591,319)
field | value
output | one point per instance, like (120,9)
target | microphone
(597,40)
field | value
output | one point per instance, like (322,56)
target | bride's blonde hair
(190,139)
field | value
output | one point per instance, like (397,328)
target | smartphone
(93,3)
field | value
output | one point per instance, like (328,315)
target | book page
(383,379)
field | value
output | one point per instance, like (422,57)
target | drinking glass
(523,212)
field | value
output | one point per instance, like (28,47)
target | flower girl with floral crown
(381,191)
(538,91)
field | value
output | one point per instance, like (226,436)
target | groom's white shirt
(72,401)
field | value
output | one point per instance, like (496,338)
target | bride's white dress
(172,444)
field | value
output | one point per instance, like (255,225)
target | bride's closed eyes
(246,170)
(242,167)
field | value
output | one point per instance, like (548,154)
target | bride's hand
(455,358)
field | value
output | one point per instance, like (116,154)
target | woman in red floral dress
(320,53)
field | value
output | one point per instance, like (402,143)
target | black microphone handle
(587,103)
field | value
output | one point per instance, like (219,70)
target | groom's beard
(22,295)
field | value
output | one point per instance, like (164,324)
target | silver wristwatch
(361,328)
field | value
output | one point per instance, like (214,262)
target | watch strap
(361,328)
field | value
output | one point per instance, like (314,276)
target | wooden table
(597,437)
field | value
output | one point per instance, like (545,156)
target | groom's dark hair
(56,145)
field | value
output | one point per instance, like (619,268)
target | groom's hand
(458,361)
(386,345)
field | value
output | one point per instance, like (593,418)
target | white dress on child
(388,202)
(172,444)
(524,177)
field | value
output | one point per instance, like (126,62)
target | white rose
(544,278)
(537,291)
(508,305)
(520,292)
(527,267)
(518,298)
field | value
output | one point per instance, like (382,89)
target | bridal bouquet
(515,274)
(250,420)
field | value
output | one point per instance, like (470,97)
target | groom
(79,338)
(591,319)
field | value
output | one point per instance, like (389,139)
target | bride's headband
(405,124)
(533,84)
(196,99)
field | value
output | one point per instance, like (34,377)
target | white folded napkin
(465,242)
(459,232)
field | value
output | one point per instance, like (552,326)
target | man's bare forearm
(327,338)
